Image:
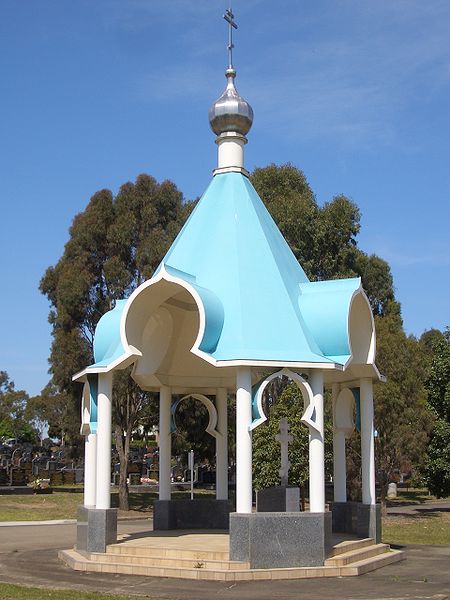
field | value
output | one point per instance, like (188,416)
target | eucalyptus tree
(114,245)
(438,387)
(402,418)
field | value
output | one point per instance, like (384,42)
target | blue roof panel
(233,248)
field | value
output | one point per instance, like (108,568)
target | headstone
(135,479)
(68,477)
(18,477)
(392,490)
(56,478)
(4,480)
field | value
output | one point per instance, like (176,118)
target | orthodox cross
(229,18)
(285,439)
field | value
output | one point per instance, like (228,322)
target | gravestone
(135,479)
(4,479)
(68,477)
(17,477)
(282,498)
(392,491)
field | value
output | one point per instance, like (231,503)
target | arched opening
(164,321)
(293,397)
(194,422)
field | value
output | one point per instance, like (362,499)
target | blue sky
(354,92)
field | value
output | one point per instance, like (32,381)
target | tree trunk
(123,446)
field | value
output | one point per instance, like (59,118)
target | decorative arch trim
(212,412)
(308,398)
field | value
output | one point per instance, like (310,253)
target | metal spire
(229,18)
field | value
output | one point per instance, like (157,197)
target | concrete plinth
(280,539)
(201,513)
(281,498)
(354,517)
(96,528)
(368,522)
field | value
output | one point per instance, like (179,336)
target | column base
(363,520)
(280,498)
(280,539)
(96,528)
(201,513)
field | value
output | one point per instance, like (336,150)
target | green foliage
(438,386)
(192,420)
(13,418)
(322,239)
(266,450)
(402,418)
(114,245)
(438,381)
(57,410)
(438,460)
(377,282)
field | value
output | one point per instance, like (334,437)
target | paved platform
(205,555)
(28,556)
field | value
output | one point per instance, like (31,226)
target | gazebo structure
(228,310)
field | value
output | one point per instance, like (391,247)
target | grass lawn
(433,528)
(58,505)
(13,592)
(411,496)
(63,505)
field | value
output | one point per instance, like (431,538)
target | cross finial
(229,18)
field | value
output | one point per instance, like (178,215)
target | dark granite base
(368,522)
(96,528)
(281,498)
(201,513)
(363,520)
(280,539)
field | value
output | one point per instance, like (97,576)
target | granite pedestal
(96,528)
(364,520)
(280,539)
(282,498)
(201,513)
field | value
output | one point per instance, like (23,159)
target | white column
(165,446)
(243,440)
(316,448)
(90,469)
(339,466)
(222,445)
(103,476)
(367,442)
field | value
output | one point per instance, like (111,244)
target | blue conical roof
(258,305)
(231,246)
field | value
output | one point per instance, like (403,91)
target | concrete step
(370,564)
(349,545)
(158,552)
(175,562)
(79,562)
(356,555)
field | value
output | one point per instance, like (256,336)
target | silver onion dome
(231,113)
